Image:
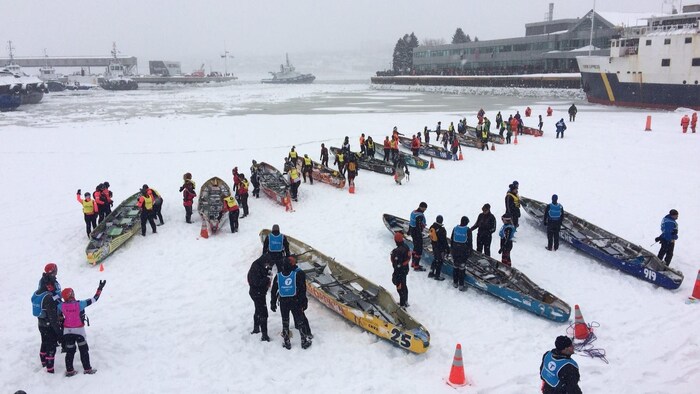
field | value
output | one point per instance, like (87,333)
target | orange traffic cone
(204,233)
(648,128)
(460,155)
(102,267)
(581,329)
(432,165)
(696,290)
(457,378)
(493,146)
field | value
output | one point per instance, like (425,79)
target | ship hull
(302,79)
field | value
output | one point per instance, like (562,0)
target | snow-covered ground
(175,315)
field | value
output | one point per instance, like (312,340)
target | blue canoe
(491,276)
(609,248)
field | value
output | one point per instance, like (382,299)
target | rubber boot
(263,328)
(256,325)
(285,336)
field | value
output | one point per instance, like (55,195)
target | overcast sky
(193,29)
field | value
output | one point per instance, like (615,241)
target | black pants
(572,117)
(147,215)
(506,247)
(417,247)
(415,152)
(256,190)
(188,213)
(100,214)
(553,235)
(233,220)
(515,218)
(277,258)
(370,152)
(71,341)
(107,209)
(293,190)
(307,171)
(399,280)
(243,200)
(341,167)
(49,342)
(156,211)
(666,251)
(324,160)
(90,222)
(483,242)
(460,264)
(438,260)
(260,314)
(290,304)
(562,134)
(386,155)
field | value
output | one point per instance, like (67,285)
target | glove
(500,251)
(111,203)
(657,239)
(273,307)
(102,285)
(78,193)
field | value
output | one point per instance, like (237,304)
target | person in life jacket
(400,170)
(454,149)
(395,148)
(106,195)
(45,309)
(438,240)
(188,195)
(371,149)
(259,282)
(157,205)
(340,161)
(462,246)
(243,194)
(415,230)
(514,123)
(289,287)
(304,321)
(254,180)
(685,121)
(307,167)
(506,233)
(294,182)
(363,147)
(293,156)
(90,210)
(553,218)
(485,226)
(528,111)
(387,149)
(400,256)
(483,137)
(694,121)
(99,200)
(353,170)
(438,130)
(513,203)
(277,246)
(324,155)
(559,373)
(49,276)
(499,120)
(668,237)
(549,111)
(145,204)
(74,328)
(415,145)
(230,205)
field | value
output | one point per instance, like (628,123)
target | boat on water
(653,66)
(629,258)
(493,277)
(31,89)
(356,299)
(9,91)
(117,228)
(210,202)
(273,184)
(289,75)
(115,77)
(54,82)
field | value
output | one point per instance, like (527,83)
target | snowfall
(175,315)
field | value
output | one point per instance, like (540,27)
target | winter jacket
(258,277)
(188,197)
(439,244)
(513,204)
(485,224)
(400,257)
(669,228)
(561,126)
(49,316)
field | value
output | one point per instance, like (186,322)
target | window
(696,62)
(665,62)
(667,41)
(688,40)
(648,42)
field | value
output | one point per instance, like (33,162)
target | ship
(54,82)
(652,66)
(288,74)
(115,77)
(31,89)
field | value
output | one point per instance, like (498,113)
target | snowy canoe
(357,299)
(369,163)
(211,202)
(427,149)
(117,228)
(415,161)
(324,174)
(495,138)
(468,141)
(273,183)
(609,248)
(493,277)
(532,131)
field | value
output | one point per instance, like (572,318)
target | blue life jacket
(414,216)
(555,211)
(669,228)
(460,234)
(502,231)
(287,284)
(276,242)
(551,367)
(37,300)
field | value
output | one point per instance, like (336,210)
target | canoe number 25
(403,340)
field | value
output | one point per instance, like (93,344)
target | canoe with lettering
(117,228)
(428,149)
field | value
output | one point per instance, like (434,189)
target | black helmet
(106,185)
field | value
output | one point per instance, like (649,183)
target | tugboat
(656,66)
(114,77)
(53,81)
(31,89)
(287,74)
(9,91)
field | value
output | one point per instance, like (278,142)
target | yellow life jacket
(516,199)
(370,144)
(293,154)
(88,207)
(293,173)
(307,161)
(230,201)
(147,202)
(340,157)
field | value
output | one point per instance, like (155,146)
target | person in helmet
(293,156)
(254,179)
(146,204)
(188,195)
(415,230)
(74,327)
(462,246)
(230,205)
(106,195)
(513,203)
(438,240)
(400,256)
(259,281)
(243,194)
(90,211)
(100,201)
(324,155)
(44,307)
(506,233)
(277,246)
(289,287)
(49,276)
(307,168)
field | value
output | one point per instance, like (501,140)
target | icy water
(245,99)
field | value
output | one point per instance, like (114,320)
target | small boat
(415,161)
(468,141)
(31,89)
(288,75)
(607,247)
(273,183)
(355,298)
(532,131)
(427,149)
(115,77)
(117,228)
(493,137)
(210,202)
(54,82)
(493,277)
(323,174)
(369,163)
(9,91)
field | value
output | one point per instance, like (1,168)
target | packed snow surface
(175,314)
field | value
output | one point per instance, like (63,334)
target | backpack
(433,234)
(37,300)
